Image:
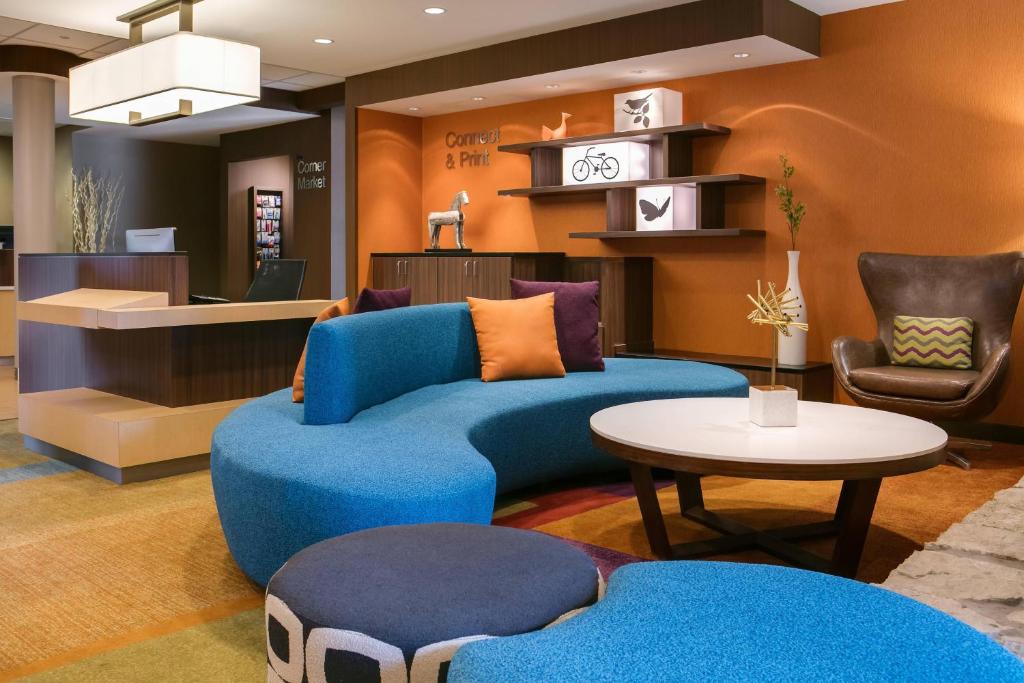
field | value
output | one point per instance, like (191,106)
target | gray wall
(165,184)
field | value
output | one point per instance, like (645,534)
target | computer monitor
(152,239)
(277,280)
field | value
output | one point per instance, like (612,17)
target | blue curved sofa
(397,428)
(723,621)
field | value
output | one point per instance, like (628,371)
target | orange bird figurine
(556,134)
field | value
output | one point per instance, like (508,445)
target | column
(34,184)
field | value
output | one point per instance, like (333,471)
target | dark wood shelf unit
(697,180)
(686,130)
(670,163)
(667,234)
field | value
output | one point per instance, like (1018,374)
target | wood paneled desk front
(118,375)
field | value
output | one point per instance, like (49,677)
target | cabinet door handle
(405,267)
(475,264)
(465,268)
(398,268)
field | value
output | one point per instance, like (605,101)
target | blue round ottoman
(394,604)
(719,621)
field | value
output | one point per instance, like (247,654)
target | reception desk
(120,376)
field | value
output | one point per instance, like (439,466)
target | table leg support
(853,516)
(650,510)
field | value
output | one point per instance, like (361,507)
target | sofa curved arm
(992,373)
(851,353)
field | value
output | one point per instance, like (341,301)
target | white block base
(773,406)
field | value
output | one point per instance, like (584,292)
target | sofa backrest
(359,361)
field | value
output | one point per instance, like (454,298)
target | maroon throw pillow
(576,320)
(382,299)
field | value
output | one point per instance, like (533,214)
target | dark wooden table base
(849,525)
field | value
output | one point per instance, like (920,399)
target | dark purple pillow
(576,320)
(382,299)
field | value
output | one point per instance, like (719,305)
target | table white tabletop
(720,429)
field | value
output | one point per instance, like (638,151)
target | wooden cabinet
(452,277)
(625,295)
(419,273)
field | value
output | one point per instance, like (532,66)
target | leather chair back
(986,289)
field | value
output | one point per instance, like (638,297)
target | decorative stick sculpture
(774,309)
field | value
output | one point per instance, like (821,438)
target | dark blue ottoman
(394,604)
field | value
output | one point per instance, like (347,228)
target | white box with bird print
(608,162)
(651,108)
(666,207)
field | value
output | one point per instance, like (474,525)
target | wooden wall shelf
(686,130)
(667,234)
(670,163)
(555,190)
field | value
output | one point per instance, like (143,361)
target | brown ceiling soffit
(693,24)
(38,60)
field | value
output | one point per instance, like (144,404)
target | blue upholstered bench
(716,621)
(397,428)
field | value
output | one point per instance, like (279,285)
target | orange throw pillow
(335,310)
(516,338)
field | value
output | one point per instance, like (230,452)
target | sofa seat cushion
(434,454)
(927,383)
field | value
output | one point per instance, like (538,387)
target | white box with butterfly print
(666,207)
(608,162)
(650,108)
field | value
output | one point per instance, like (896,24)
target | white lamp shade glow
(151,78)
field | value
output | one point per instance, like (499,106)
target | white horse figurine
(454,216)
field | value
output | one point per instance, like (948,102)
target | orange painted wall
(390,185)
(907,135)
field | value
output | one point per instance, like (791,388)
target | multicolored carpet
(134,583)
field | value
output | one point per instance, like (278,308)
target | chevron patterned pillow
(932,342)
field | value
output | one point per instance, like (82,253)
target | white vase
(793,349)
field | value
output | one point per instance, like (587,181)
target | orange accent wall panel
(907,136)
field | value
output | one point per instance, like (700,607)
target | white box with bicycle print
(608,162)
(666,207)
(650,108)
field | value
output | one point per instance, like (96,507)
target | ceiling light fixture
(638,71)
(414,108)
(551,86)
(168,78)
(741,55)
(479,99)
(434,10)
(323,41)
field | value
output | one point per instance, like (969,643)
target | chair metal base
(955,445)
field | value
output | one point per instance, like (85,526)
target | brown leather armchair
(986,289)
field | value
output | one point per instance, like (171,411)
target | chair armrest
(992,372)
(850,353)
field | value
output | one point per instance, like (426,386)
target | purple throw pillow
(382,299)
(576,320)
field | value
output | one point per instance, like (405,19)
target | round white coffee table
(714,436)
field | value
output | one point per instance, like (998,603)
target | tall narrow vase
(793,349)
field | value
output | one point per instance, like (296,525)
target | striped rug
(134,583)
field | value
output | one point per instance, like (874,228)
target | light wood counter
(128,310)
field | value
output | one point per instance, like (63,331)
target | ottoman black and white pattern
(394,604)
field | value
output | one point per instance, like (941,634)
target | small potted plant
(774,405)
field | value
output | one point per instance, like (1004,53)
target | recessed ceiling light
(434,10)
(741,55)
(551,86)
(638,71)
(322,41)
(479,99)
(414,108)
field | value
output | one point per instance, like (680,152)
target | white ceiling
(368,35)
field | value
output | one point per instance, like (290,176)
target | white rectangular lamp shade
(151,78)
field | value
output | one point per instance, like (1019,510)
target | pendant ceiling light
(174,76)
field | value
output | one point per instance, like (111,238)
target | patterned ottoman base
(394,604)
